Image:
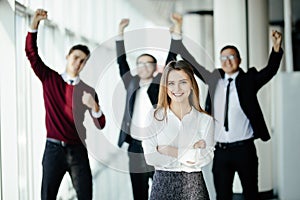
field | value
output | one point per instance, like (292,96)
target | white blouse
(182,134)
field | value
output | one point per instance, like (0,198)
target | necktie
(71,82)
(226,105)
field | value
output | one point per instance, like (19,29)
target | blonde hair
(164,100)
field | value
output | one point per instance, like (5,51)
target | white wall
(287,135)
(9,168)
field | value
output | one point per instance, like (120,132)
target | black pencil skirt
(178,186)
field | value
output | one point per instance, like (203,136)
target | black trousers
(58,160)
(241,159)
(140,171)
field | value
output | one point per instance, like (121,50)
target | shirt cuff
(32,30)
(176,36)
(97,114)
(205,156)
(119,38)
(187,156)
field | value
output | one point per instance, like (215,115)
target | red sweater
(63,102)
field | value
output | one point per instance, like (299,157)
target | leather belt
(226,145)
(58,142)
(136,142)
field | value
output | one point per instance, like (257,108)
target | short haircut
(146,54)
(232,47)
(80,47)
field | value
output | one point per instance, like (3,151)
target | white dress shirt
(142,107)
(182,134)
(238,124)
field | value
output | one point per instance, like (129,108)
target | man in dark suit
(142,95)
(239,119)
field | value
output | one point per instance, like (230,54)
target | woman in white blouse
(179,140)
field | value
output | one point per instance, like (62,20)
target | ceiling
(158,11)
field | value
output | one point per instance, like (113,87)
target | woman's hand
(168,150)
(200,144)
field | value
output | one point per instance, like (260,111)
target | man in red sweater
(66,99)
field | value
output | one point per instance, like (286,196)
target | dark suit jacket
(131,84)
(247,84)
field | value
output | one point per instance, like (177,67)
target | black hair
(232,47)
(146,54)
(80,47)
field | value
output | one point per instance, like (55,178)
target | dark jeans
(241,159)
(58,160)
(140,171)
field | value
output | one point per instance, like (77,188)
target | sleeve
(150,143)
(154,158)
(99,120)
(201,157)
(122,62)
(200,71)
(31,49)
(172,52)
(266,74)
